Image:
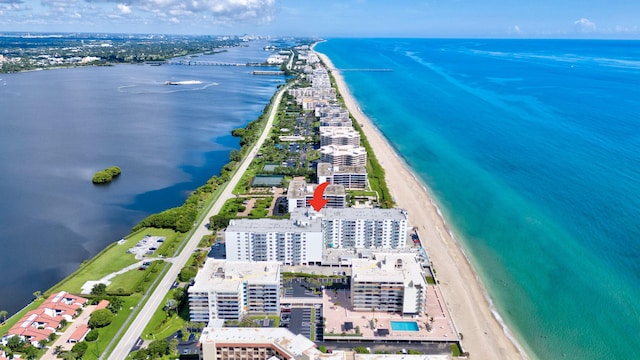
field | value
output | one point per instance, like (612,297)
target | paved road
(135,330)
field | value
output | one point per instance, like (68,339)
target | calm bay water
(58,127)
(532,149)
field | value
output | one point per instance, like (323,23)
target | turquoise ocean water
(532,149)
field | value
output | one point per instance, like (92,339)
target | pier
(368,69)
(267,72)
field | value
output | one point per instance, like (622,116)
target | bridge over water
(214,63)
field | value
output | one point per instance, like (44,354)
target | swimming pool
(404,326)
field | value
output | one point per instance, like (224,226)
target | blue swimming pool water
(404,326)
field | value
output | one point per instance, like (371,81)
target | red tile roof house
(3,355)
(101,305)
(79,334)
(37,325)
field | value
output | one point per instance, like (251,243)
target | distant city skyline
(330,18)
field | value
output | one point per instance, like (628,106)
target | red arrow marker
(318,202)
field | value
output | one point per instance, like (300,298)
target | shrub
(80,348)
(92,335)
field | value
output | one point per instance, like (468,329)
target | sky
(331,18)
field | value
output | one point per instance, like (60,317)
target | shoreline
(486,335)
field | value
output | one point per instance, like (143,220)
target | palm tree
(37,294)
(57,349)
(3,314)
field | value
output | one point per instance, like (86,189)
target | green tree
(80,348)
(141,354)
(100,318)
(158,349)
(68,355)
(187,273)
(115,304)
(92,335)
(3,315)
(37,294)
(30,352)
(171,306)
(217,222)
(99,290)
(14,343)
(234,155)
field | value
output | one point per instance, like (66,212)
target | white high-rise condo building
(351,177)
(339,135)
(229,289)
(301,240)
(287,241)
(389,282)
(358,228)
(344,155)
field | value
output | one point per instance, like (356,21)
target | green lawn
(160,327)
(111,259)
(107,333)
(170,245)
(455,350)
(362,193)
(275,318)
(132,279)
(313,325)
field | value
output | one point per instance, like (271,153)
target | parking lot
(147,246)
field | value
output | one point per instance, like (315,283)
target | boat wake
(153,89)
(185,82)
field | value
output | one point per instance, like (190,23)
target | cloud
(221,11)
(11,1)
(584,25)
(626,29)
(124,9)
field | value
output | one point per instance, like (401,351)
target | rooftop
(361,213)
(326,169)
(337,150)
(275,225)
(299,189)
(296,346)
(338,131)
(230,275)
(393,267)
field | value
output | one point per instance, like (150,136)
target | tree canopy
(106,175)
(100,318)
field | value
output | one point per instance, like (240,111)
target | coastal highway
(134,331)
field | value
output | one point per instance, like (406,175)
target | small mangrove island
(106,175)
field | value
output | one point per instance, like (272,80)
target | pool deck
(443,329)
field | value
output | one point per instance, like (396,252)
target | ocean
(58,127)
(532,150)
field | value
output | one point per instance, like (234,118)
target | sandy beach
(484,337)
